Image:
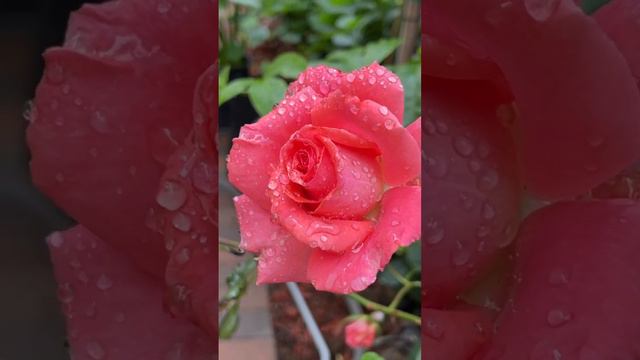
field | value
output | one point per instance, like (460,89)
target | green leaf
(229,322)
(288,65)
(413,255)
(249,3)
(378,51)
(386,278)
(239,279)
(265,93)
(410,76)
(591,6)
(416,352)
(349,60)
(223,77)
(370,355)
(233,89)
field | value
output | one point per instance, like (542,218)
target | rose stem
(385,309)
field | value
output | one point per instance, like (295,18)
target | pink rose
(360,334)
(330,180)
(122,138)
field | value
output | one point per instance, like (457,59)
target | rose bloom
(360,334)
(533,112)
(330,180)
(122,139)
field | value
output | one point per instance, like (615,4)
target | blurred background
(31,326)
(264,45)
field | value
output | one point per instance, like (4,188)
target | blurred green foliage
(237,282)
(267,90)
(312,28)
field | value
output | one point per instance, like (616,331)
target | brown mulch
(293,341)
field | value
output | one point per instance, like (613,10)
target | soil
(293,341)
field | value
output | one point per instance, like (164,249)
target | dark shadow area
(31,325)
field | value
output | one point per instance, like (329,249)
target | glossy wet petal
(190,231)
(471,210)
(400,155)
(455,334)
(357,268)
(329,234)
(113,311)
(255,153)
(577,93)
(282,257)
(574,297)
(113,104)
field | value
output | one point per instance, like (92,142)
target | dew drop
(181,222)
(95,350)
(488,211)
(183,256)
(433,330)
(99,122)
(557,317)
(104,282)
(350,78)
(171,196)
(56,240)
(163,7)
(463,146)
(541,10)
(383,110)
(558,277)
(55,73)
(488,180)
(372,80)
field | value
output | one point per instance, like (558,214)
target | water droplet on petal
(56,240)
(104,282)
(557,317)
(95,350)
(99,122)
(463,146)
(541,10)
(181,222)
(163,7)
(183,256)
(171,196)
(488,211)
(433,330)
(383,110)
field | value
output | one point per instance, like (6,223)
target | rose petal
(455,334)
(472,206)
(257,231)
(260,143)
(444,59)
(359,183)
(376,83)
(191,231)
(577,93)
(575,297)
(322,79)
(282,257)
(619,20)
(415,129)
(328,234)
(373,122)
(114,101)
(113,311)
(356,269)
